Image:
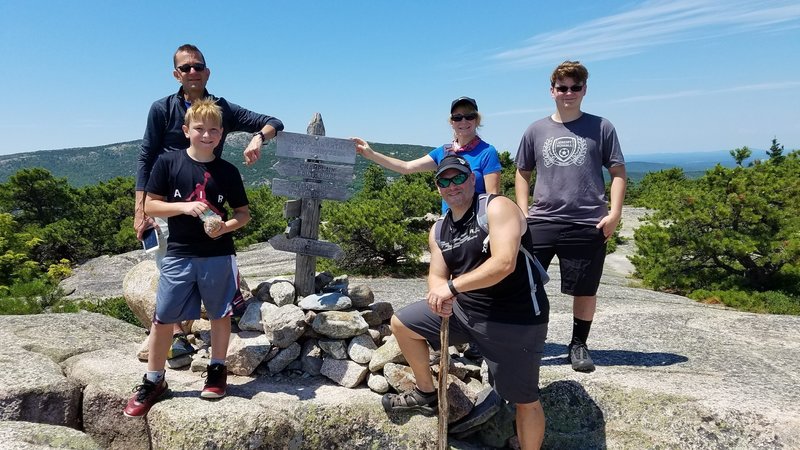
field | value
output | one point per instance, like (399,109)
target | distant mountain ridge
(89,165)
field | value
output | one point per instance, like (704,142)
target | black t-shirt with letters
(179,178)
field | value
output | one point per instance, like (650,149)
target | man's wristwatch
(263,138)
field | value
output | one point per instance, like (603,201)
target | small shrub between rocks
(772,302)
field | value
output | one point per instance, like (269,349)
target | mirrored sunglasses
(457,180)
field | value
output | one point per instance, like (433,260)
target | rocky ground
(671,373)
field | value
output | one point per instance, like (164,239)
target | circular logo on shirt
(564,151)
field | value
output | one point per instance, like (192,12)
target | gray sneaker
(578,355)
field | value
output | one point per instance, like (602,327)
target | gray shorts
(513,352)
(184,281)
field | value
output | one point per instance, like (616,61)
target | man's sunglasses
(575,88)
(459,117)
(187,67)
(457,180)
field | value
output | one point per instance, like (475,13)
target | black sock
(425,394)
(580,330)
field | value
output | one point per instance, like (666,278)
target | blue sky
(673,76)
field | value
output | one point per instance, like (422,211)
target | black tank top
(510,300)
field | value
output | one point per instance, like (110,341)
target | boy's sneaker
(180,346)
(146,395)
(216,381)
(414,400)
(578,355)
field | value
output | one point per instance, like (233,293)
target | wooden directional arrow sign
(315,171)
(301,189)
(295,145)
(306,246)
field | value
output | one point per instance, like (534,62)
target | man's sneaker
(414,400)
(180,346)
(578,355)
(146,395)
(216,381)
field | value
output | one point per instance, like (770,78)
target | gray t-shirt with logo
(569,160)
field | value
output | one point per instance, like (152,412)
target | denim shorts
(185,281)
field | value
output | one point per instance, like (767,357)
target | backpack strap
(437,232)
(483,222)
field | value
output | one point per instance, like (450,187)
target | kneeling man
(486,278)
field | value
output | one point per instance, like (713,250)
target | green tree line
(731,236)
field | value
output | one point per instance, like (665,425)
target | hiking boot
(180,346)
(146,395)
(578,355)
(415,400)
(216,381)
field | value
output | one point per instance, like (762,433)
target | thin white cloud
(651,24)
(669,96)
(700,92)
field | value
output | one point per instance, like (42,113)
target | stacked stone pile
(340,332)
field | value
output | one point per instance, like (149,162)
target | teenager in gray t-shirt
(569,217)
(569,160)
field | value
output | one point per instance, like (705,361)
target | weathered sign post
(320,180)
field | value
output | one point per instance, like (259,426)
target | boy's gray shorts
(185,281)
(513,352)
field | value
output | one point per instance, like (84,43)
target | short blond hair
(204,110)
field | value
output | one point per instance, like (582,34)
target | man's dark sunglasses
(458,179)
(459,117)
(187,67)
(575,88)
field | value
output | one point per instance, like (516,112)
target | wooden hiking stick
(444,366)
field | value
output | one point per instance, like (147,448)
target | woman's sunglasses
(459,117)
(457,180)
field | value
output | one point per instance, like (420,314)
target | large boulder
(35,436)
(139,288)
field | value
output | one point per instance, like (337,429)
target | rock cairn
(340,332)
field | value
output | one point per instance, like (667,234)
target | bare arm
(241,216)
(619,183)
(439,300)
(253,150)
(522,189)
(506,226)
(141,221)
(423,164)
(156,206)
(492,182)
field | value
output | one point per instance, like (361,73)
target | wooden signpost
(318,180)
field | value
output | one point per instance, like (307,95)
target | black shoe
(472,352)
(414,400)
(578,355)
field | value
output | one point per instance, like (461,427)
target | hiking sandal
(414,400)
